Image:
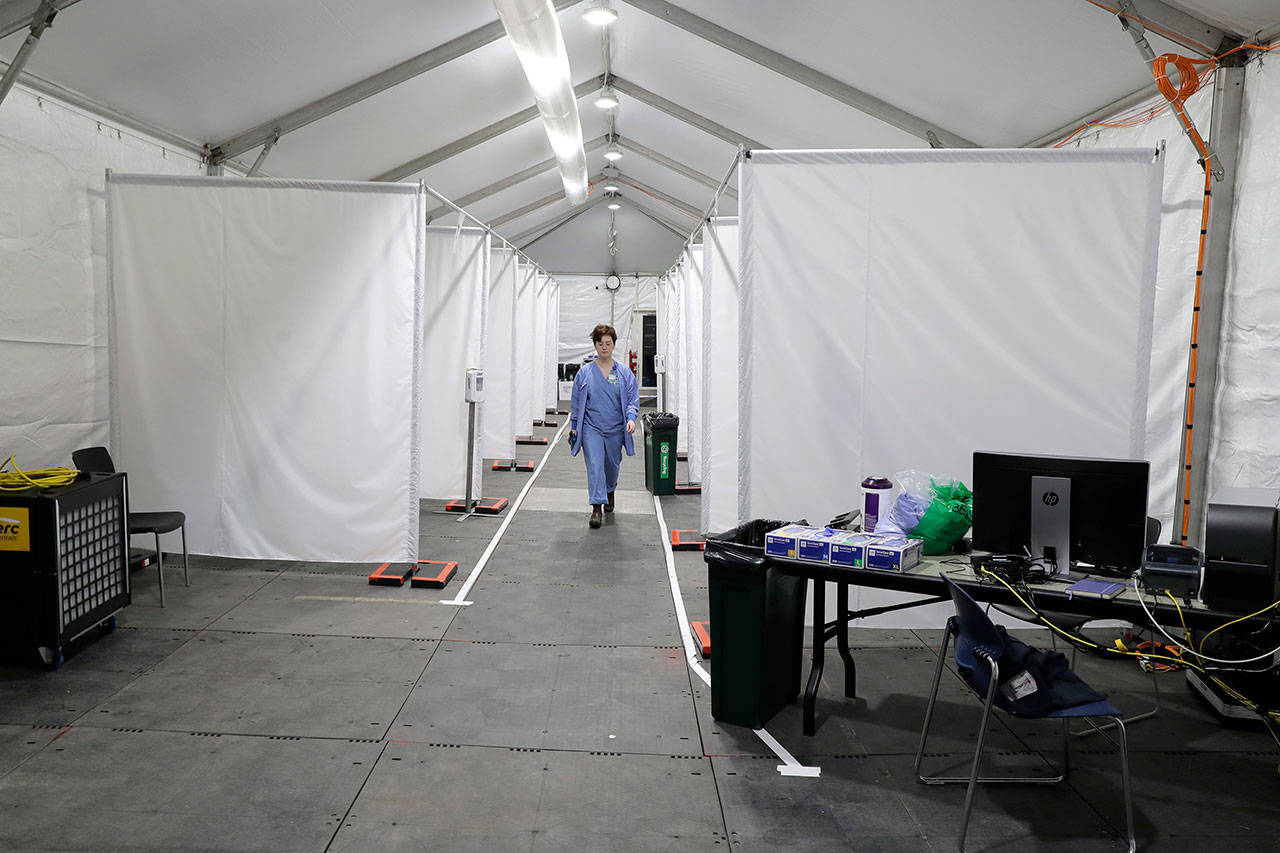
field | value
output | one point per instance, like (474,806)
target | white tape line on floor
(789,765)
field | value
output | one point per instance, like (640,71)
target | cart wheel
(52,658)
(108,625)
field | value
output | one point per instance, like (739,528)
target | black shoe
(609,506)
(596,518)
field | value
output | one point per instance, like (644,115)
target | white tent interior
(402,92)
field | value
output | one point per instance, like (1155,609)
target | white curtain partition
(551,351)
(662,317)
(901,309)
(266,338)
(585,302)
(499,432)
(525,340)
(54,389)
(454,297)
(720,385)
(1250,357)
(691,424)
(542,343)
(676,392)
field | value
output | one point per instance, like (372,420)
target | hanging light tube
(534,31)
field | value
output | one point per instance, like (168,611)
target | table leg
(842,641)
(819,642)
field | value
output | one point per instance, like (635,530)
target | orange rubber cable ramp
(690,541)
(392,574)
(445,570)
(702,631)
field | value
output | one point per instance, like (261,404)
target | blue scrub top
(603,409)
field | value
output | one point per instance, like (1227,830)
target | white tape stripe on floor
(789,767)
(459,599)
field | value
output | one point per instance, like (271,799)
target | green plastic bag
(948,518)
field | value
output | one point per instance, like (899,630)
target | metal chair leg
(159,566)
(928,711)
(1132,718)
(1124,781)
(977,752)
(185,577)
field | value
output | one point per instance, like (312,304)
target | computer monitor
(1067,510)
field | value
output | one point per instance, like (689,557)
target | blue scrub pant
(603,453)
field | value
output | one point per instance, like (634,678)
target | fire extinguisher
(631,360)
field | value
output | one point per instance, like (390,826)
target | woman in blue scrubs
(605,401)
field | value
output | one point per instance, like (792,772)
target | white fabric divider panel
(902,309)
(680,374)
(266,339)
(542,302)
(526,381)
(500,358)
(54,272)
(720,388)
(584,303)
(453,297)
(1244,452)
(1175,285)
(552,348)
(693,373)
(662,317)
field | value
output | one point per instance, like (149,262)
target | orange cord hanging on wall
(1189,81)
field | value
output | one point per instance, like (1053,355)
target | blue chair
(979,647)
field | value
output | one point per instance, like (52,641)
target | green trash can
(660,452)
(757,627)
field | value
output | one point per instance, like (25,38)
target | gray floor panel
(631,700)
(274,685)
(885,719)
(461,550)
(853,805)
(212,593)
(552,499)
(19,743)
(565,800)
(618,531)
(1008,817)
(344,605)
(99,789)
(31,696)
(446,524)
(539,613)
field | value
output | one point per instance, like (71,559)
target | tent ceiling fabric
(998,73)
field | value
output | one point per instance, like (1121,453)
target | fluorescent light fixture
(613,153)
(613,205)
(607,100)
(535,34)
(600,13)
(610,187)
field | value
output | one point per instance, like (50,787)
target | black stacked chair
(97,460)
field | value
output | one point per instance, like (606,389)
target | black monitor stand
(1051,522)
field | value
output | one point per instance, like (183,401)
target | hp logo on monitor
(1050,498)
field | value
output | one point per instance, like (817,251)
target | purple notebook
(1095,588)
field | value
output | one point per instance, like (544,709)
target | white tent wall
(691,422)
(538,365)
(266,339)
(551,352)
(499,434)
(454,295)
(525,342)
(586,302)
(677,387)
(662,317)
(1243,450)
(1182,194)
(54,272)
(945,322)
(720,388)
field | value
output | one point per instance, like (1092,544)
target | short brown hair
(601,330)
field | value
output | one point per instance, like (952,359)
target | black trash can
(660,430)
(757,627)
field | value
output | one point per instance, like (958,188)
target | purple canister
(875,501)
